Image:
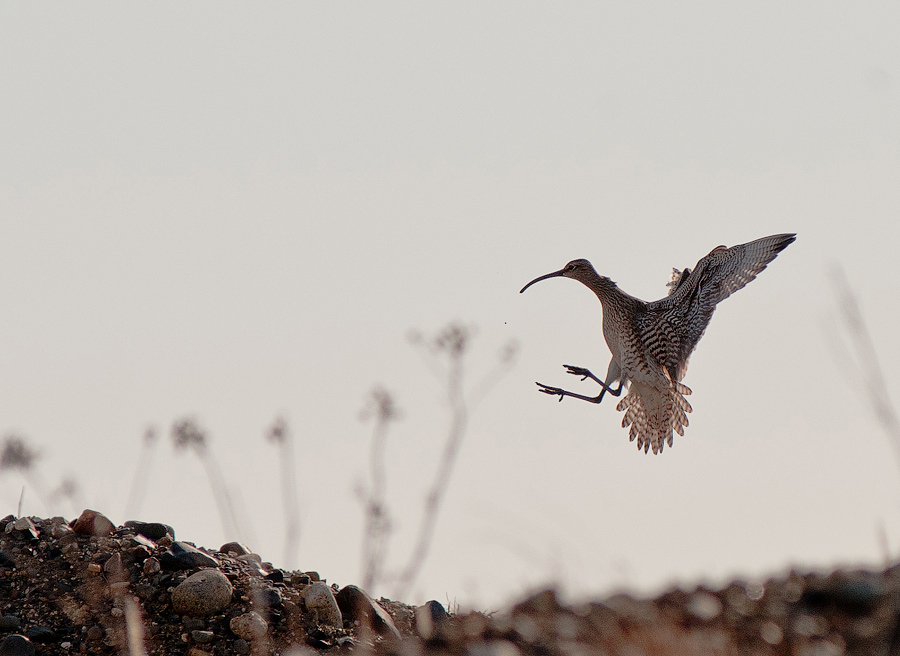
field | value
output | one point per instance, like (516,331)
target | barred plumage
(651,343)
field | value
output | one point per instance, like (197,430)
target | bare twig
(452,343)
(186,434)
(142,472)
(863,361)
(279,435)
(383,409)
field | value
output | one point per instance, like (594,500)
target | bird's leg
(611,375)
(585,374)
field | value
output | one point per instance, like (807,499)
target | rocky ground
(89,587)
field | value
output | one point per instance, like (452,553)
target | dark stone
(241,646)
(10,624)
(16,645)
(94,634)
(356,605)
(276,576)
(300,579)
(93,523)
(234,548)
(193,623)
(65,587)
(430,616)
(41,635)
(181,555)
(267,597)
(5,561)
(23,527)
(152,530)
(202,637)
(6,520)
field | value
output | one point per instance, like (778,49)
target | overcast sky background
(238,211)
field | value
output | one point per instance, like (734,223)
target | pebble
(267,597)
(202,594)
(16,645)
(181,555)
(241,646)
(24,526)
(704,606)
(356,605)
(248,626)
(95,633)
(152,566)
(10,624)
(41,635)
(429,616)
(234,549)
(202,637)
(93,523)
(153,530)
(320,602)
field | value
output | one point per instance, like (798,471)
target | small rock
(234,549)
(704,606)
(41,635)
(10,624)
(300,579)
(152,566)
(429,616)
(267,597)
(16,645)
(193,623)
(202,637)
(23,527)
(5,561)
(152,530)
(241,646)
(248,626)
(202,594)
(320,602)
(181,555)
(95,633)
(356,605)
(113,567)
(93,523)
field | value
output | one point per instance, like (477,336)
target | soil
(89,587)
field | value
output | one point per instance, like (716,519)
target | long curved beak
(555,274)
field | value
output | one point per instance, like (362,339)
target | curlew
(652,342)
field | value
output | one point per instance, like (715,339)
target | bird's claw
(546,389)
(578,371)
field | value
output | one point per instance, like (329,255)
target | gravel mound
(89,587)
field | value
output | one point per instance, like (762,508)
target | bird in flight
(652,342)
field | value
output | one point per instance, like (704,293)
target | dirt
(88,587)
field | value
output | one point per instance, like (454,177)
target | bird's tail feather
(653,414)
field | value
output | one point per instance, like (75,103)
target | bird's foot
(552,391)
(580,371)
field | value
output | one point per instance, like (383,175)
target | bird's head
(580,270)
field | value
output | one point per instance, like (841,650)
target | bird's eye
(570,267)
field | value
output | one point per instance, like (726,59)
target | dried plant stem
(376,531)
(291,504)
(864,361)
(142,474)
(435,496)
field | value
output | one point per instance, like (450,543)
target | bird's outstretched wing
(672,326)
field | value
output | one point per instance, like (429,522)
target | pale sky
(238,211)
